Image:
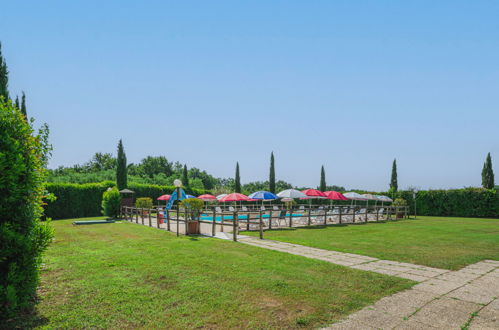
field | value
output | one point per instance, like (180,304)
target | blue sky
(350,85)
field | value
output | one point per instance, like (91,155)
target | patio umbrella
(207,197)
(263,195)
(369,197)
(313,193)
(234,197)
(163,198)
(219,197)
(335,196)
(190,196)
(291,193)
(384,199)
(353,196)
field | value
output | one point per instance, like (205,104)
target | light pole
(177,183)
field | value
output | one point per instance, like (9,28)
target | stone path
(443,299)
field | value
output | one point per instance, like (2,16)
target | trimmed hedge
(468,202)
(84,200)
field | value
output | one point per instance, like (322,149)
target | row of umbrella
(288,195)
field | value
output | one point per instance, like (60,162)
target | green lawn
(125,275)
(449,243)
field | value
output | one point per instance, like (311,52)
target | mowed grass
(125,275)
(449,243)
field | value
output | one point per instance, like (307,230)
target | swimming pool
(241,217)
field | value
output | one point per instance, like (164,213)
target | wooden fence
(254,219)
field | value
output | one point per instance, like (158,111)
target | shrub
(144,202)
(399,202)
(193,206)
(23,237)
(111,202)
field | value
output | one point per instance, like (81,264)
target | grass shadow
(29,319)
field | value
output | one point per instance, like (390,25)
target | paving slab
(472,293)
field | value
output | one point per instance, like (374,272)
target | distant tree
(272,174)
(185,177)
(394,180)
(17,102)
(4,77)
(488,173)
(23,106)
(152,166)
(322,186)
(335,188)
(121,168)
(237,180)
(101,162)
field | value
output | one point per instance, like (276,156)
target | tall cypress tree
(4,77)
(17,102)
(237,180)
(121,168)
(394,181)
(185,176)
(322,186)
(23,106)
(272,174)
(488,173)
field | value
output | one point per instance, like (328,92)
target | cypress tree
(237,181)
(322,186)
(488,173)
(17,102)
(394,181)
(185,177)
(121,168)
(272,174)
(4,77)
(23,106)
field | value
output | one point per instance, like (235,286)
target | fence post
(234,228)
(353,214)
(214,223)
(178,216)
(341,208)
(290,217)
(149,215)
(261,225)
(406,211)
(186,221)
(309,215)
(167,219)
(136,215)
(248,221)
(377,214)
(270,219)
(325,216)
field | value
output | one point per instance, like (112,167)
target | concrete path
(443,299)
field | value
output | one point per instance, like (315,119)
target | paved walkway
(443,299)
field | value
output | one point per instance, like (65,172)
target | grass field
(125,275)
(449,243)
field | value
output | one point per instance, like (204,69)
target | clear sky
(350,85)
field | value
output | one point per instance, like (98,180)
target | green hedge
(84,200)
(468,202)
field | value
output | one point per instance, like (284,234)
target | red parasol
(234,197)
(163,198)
(335,196)
(207,197)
